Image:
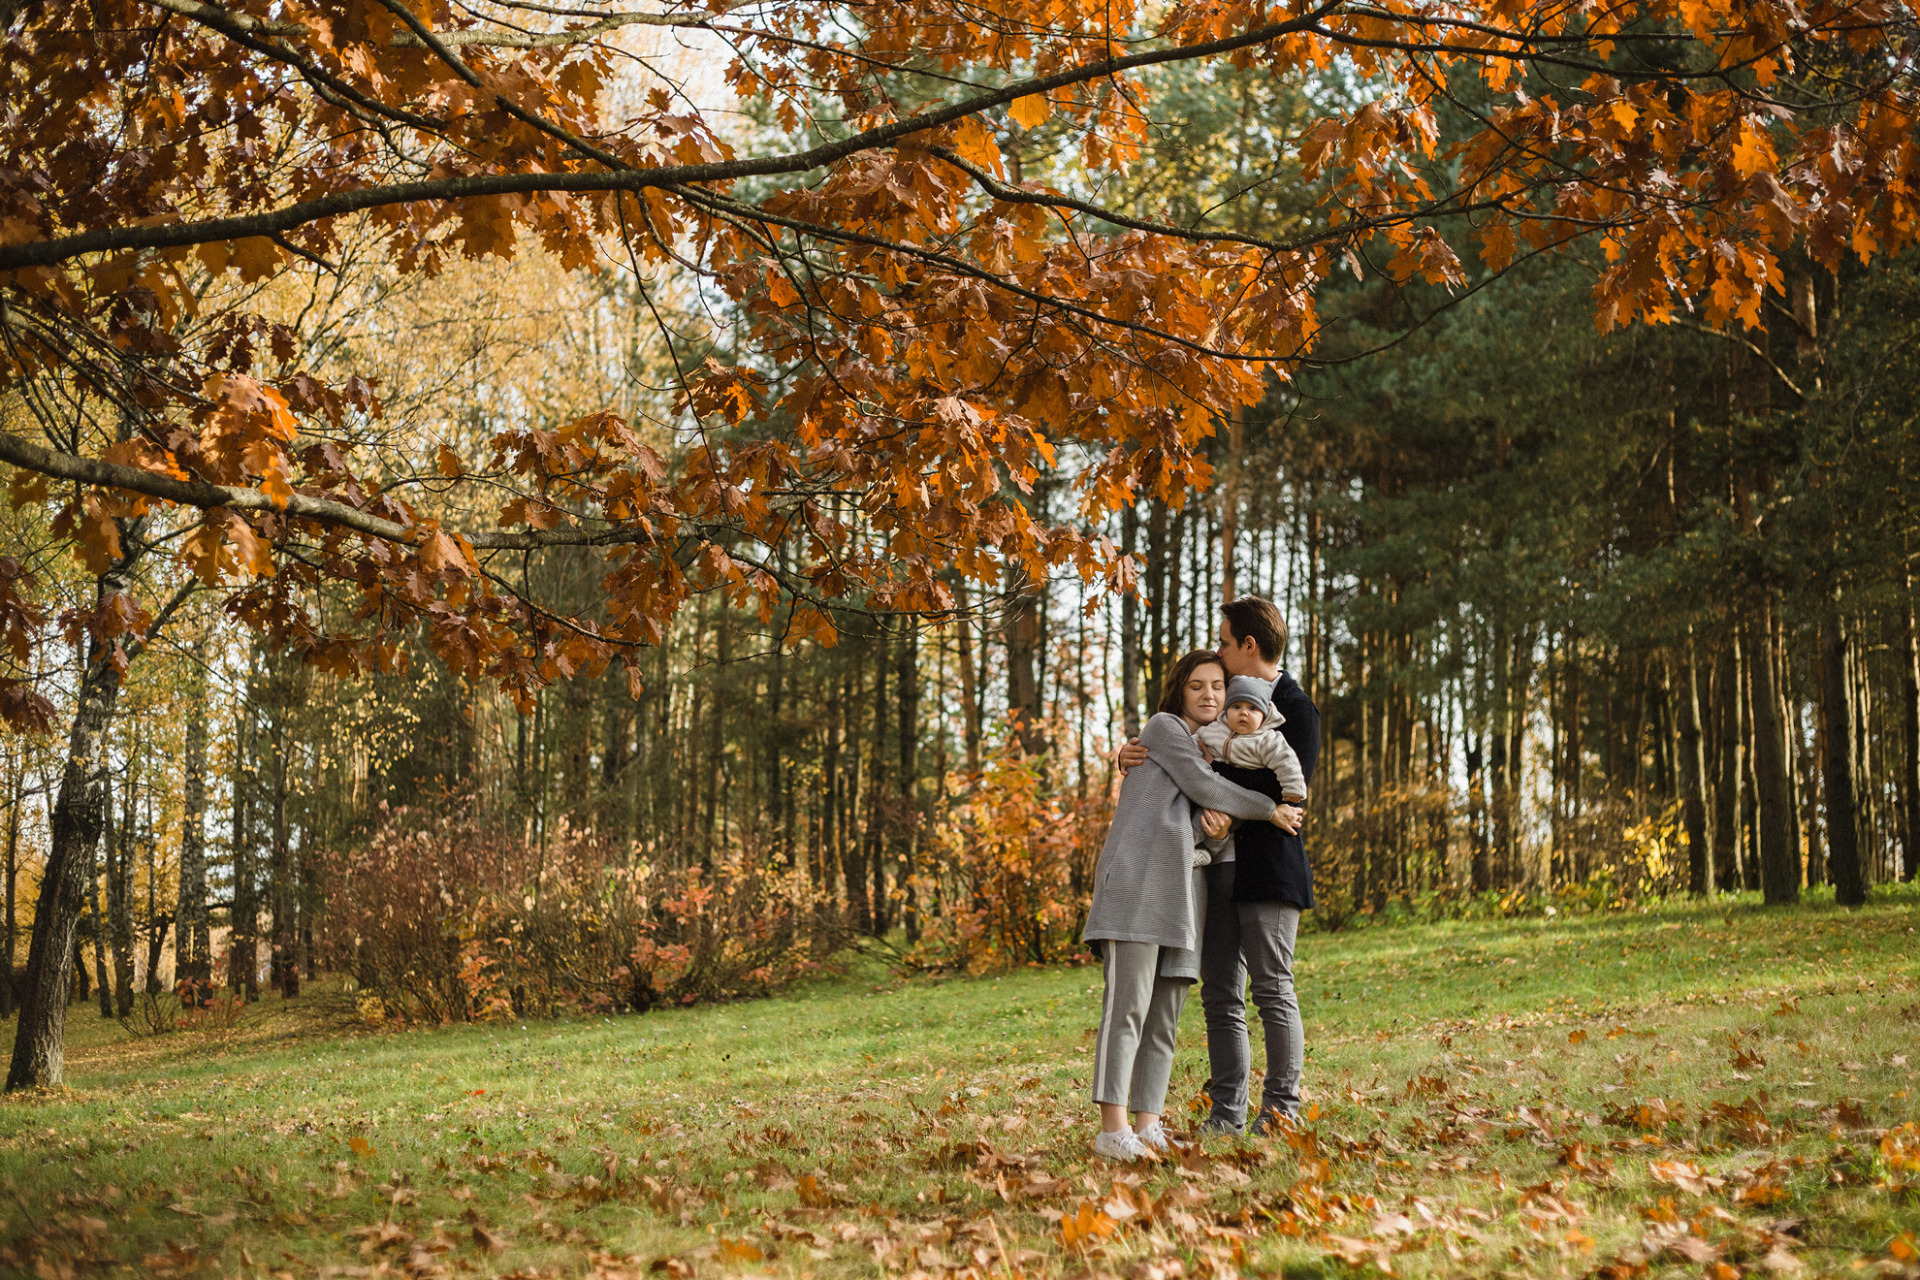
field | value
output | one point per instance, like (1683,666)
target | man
(1256,891)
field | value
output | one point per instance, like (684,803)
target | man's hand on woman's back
(1131,755)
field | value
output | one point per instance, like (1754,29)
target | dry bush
(450,920)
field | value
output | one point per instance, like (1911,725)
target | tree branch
(41,253)
(228,20)
(209,497)
(1741,341)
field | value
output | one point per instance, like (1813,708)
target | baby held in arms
(1248,734)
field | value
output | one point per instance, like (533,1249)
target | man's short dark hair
(1251,618)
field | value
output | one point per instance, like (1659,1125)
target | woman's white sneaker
(1154,1138)
(1120,1145)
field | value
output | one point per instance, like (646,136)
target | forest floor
(1708,1090)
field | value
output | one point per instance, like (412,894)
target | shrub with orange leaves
(1015,859)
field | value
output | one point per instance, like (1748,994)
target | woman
(1148,898)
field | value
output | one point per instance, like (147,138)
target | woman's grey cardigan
(1145,887)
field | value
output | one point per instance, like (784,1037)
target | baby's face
(1244,717)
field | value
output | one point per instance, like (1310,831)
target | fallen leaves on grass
(1593,1167)
(1686,1175)
(1899,1160)
(1744,1121)
(1086,1225)
(1745,1057)
(741,1250)
(1654,1113)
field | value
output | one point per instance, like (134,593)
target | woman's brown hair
(1173,696)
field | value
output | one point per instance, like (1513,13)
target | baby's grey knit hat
(1251,689)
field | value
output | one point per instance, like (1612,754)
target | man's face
(1242,657)
(1244,717)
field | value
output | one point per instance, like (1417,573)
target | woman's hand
(1287,817)
(1215,823)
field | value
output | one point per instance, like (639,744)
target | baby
(1248,734)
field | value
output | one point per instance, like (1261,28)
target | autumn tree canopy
(922,331)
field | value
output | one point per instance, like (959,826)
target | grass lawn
(1710,1090)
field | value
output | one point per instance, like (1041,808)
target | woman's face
(1206,690)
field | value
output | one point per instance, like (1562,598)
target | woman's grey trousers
(1133,1058)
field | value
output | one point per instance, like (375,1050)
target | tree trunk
(1693,778)
(82,985)
(1866,806)
(1130,673)
(17,785)
(1779,851)
(1179,578)
(1576,753)
(1158,628)
(828,874)
(120,885)
(281,897)
(243,966)
(1843,815)
(970,709)
(1023,651)
(1728,799)
(97,923)
(158,921)
(1497,756)
(1230,502)
(865,758)
(79,813)
(1910,766)
(907,824)
(193,948)
(1480,867)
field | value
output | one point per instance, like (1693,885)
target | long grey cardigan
(1145,887)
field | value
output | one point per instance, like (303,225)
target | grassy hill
(1719,1087)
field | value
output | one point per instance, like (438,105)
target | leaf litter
(1644,1138)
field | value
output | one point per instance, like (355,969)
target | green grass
(1461,1124)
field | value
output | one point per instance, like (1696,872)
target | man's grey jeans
(1249,940)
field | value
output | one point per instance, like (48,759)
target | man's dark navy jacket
(1269,864)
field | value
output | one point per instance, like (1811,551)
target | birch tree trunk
(120,885)
(1779,852)
(79,813)
(244,946)
(1693,777)
(1729,802)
